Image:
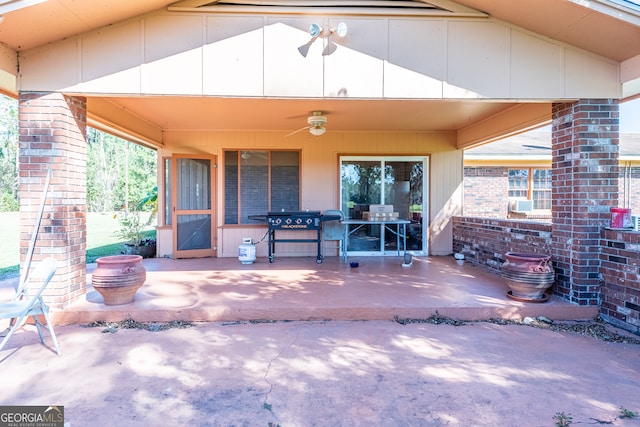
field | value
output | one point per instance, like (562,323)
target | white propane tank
(247,251)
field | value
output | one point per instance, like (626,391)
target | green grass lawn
(101,239)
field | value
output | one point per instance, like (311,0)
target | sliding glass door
(396,181)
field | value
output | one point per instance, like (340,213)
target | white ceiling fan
(317,122)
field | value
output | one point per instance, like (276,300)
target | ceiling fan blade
(310,113)
(296,131)
(298,116)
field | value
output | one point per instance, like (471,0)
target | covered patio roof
(609,28)
(606,28)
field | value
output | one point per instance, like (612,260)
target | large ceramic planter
(528,276)
(118,277)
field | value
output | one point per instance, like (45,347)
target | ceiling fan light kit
(316,123)
(317,119)
(317,131)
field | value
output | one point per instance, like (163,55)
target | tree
(103,168)
(119,173)
(8,154)
(142,169)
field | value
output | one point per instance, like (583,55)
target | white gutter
(13,5)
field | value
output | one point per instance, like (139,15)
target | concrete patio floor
(228,371)
(223,289)
(338,373)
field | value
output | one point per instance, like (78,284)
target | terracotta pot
(118,277)
(527,275)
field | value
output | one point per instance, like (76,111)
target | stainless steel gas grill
(295,221)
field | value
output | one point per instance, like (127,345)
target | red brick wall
(584,189)
(486,191)
(52,135)
(620,270)
(484,241)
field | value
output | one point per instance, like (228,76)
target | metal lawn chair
(23,305)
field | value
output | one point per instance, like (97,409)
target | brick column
(52,130)
(585,188)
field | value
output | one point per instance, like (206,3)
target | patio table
(400,231)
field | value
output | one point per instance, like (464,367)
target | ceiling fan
(316,123)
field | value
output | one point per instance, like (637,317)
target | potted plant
(133,224)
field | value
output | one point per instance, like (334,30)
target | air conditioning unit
(524,206)
(635,222)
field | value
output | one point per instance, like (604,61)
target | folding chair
(22,306)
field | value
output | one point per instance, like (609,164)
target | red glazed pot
(118,277)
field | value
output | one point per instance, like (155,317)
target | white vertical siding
(237,55)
